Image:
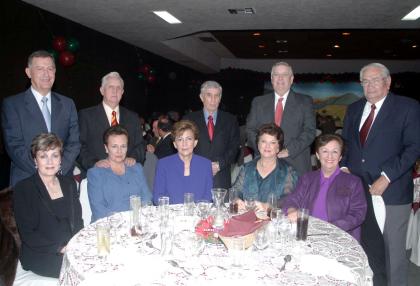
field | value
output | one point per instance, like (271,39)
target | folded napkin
(320,266)
(242,225)
(379,210)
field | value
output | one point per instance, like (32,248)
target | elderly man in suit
(293,112)
(39,110)
(382,135)
(219,134)
(93,122)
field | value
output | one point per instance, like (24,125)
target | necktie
(210,127)
(46,113)
(364,131)
(114,119)
(279,112)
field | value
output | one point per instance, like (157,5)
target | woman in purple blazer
(329,193)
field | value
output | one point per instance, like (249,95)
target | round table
(329,256)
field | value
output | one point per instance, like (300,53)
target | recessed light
(261,46)
(336,46)
(346,33)
(281,41)
(282,51)
(414,46)
(168,17)
(256,34)
(413,15)
(328,55)
(265,55)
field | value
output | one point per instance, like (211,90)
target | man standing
(164,147)
(93,122)
(293,112)
(382,134)
(39,110)
(219,134)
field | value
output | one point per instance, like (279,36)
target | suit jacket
(298,125)
(93,122)
(393,146)
(165,147)
(22,120)
(42,231)
(346,202)
(223,148)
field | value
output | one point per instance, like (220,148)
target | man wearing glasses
(382,134)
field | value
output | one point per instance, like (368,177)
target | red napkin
(242,225)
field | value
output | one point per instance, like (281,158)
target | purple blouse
(320,204)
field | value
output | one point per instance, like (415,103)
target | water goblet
(250,203)
(114,220)
(261,238)
(203,208)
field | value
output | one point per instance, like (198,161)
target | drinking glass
(103,239)
(163,207)
(250,203)
(271,202)
(135,208)
(189,204)
(261,238)
(233,205)
(203,207)
(302,224)
(114,220)
(236,250)
(166,237)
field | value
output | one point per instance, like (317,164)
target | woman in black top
(47,209)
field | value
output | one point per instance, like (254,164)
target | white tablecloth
(135,261)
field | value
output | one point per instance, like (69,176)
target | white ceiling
(133,22)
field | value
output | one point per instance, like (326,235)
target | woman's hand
(292,214)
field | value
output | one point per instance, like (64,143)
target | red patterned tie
(364,131)
(279,111)
(210,127)
(114,119)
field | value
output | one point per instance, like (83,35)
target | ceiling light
(414,46)
(328,55)
(261,46)
(413,15)
(281,41)
(346,33)
(168,17)
(256,34)
(282,51)
(336,46)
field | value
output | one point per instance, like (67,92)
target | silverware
(175,264)
(287,258)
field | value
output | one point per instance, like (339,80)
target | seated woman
(329,193)
(266,174)
(109,189)
(47,209)
(183,172)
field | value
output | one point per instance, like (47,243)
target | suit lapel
(56,109)
(102,119)
(357,119)
(288,111)
(201,122)
(219,125)
(33,109)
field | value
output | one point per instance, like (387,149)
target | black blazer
(165,147)
(224,147)
(42,232)
(93,122)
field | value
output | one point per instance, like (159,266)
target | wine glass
(203,208)
(261,239)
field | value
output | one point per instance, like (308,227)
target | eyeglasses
(376,81)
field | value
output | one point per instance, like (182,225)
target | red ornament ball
(66,58)
(59,44)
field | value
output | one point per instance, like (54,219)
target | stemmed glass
(261,238)
(203,208)
(250,203)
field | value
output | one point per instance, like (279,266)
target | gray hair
(210,84)
(46,142)
(40,54)
(113,74)
(384,70)
(281,64)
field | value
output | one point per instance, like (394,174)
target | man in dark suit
(219,134)
(93,122)
(164,146)
(293,112)
(39,110)
(382,134)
